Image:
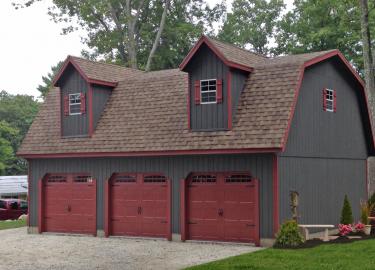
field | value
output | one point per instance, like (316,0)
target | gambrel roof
(147,113)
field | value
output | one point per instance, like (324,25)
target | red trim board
(205,40)
(70,60)
(183,209)
(153,153)
(90,114)
(106,207)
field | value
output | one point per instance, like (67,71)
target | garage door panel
(69,204)
(139,205)
(222,207)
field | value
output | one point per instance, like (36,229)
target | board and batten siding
(70,83)
(238,83)
(176,168)
(100,96)
(326,152)
(206,65)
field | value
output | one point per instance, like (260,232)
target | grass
(12,224)
(356,255)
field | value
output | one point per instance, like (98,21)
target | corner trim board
(229,99)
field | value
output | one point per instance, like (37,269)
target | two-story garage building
(209,151)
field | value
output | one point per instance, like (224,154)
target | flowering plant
(359,227)
(345,229)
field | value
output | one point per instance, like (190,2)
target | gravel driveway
(20,250)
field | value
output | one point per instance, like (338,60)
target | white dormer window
(74,103)
(208,91)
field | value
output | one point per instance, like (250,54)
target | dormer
(217,76)
(85,87)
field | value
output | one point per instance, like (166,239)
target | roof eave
(205,40)
(70,60)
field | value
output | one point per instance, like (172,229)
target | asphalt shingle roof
(149,112)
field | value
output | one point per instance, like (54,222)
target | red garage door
(68,204)
(222,207)
(139,205)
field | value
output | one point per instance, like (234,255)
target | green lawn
(12,224)
(357,255)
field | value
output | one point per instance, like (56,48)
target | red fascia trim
(188,101)
(40,205)
(69,60)
(153,153)
(206,41)
(28,191)
(229,99)
(90,114)
(169,210)
(257,216)
(315,61)
(183,209)
(275,189)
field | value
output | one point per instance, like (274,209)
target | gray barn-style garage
(209,151)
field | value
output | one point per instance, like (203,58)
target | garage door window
(57,179)
(125,178)
(204,178)
(82,178)
(154,179)
(238,178)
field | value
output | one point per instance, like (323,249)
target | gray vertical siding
(100,97)
(72,82)
(316,133)
(206,65)
(322,185)
(176,168)
(326,152)
(238,82)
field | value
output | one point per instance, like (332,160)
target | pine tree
(346,212)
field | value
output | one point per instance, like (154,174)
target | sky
(30,43)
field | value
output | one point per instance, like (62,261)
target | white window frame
(70,104)
(208,91)
(330,99)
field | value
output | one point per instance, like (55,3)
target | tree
(346,212)
(47,80)
(133,32)
(322,25)
(252,23)
(16,115)
(367,54)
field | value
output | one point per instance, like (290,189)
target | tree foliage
(316,25)
(47,80)
(125,31)
(16,115)
(252,23)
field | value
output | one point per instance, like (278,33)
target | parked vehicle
(12,208)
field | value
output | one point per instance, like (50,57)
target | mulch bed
(339,240)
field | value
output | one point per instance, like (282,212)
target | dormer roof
(97,72)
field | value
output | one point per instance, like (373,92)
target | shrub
(289,235)
(346,212)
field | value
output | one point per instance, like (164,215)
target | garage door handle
(69,208)
(250,225)
(220,212)
(139,210)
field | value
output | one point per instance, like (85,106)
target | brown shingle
(149,112)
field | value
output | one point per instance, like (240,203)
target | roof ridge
(104,63)
(234,46)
